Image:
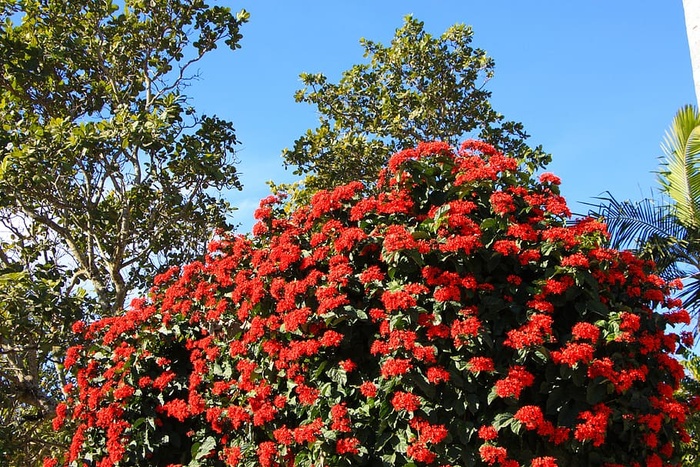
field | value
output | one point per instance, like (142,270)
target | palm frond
(691,294)
(633,224)
(679,174)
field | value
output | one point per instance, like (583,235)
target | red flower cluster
(439,321)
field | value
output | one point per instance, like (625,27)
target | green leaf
(199,451)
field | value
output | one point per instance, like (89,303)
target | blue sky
(595,82)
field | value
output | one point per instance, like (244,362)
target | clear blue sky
(595,82)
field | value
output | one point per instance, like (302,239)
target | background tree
(106,171)
(419,88)
(37,309)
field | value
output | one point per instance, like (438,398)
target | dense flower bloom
(455,303)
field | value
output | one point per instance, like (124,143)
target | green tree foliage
(452,317)
(36,313)
(107,173)
(667,229)
(419,88)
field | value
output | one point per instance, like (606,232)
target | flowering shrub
(453,318)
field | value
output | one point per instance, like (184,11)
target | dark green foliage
(419,88)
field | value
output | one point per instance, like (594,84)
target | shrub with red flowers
(452,318)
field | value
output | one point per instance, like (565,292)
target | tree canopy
(418,88)
(452,317)
(108,174)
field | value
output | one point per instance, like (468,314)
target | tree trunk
(692,27)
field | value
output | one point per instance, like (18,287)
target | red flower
(123,392)
(395,367)
(512,385)
(678,317)
(468,327)
(576,260)
(535,332)
(548,177)
(61,410)
(397,300)
(488,433)
(573,353)
(267,451)
(368,389)
(331,339)
(506,247)
(586,331)
(477,364)
(372,273)
(307,395)
(347,446)
(544,462)
(629,322)
(397,238)
(348,366)
(232,455)
(595,425)
(405,401)
(339,417)
(308,433)
(72,355)
(283,435)
(531,416)
(176,408)
(421,453)
(428,432)
(493,454)
(502,203)
(437,375)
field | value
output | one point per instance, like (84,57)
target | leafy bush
(452,318)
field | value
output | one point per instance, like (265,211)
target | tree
(419,88)
(36,314)
(107,173)
(451,317)
(667,229)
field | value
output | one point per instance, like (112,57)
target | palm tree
(667,229)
